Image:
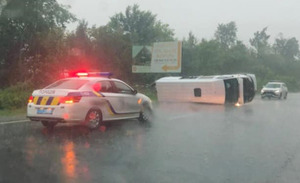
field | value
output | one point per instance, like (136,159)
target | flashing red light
(30,100)
(97,87)
(69,99)
(82,74)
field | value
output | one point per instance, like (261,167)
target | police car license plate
(45,110)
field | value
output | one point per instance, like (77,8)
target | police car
(88,98)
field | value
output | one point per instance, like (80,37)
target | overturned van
(218,89)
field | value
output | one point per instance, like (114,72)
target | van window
(197,92)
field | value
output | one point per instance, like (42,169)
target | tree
(191,41)
(112,50)
(260,41)
(226,34)
(141,26)
(23,27)
(80,48)
(288,48)
(189,55)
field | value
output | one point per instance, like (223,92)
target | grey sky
(202,17)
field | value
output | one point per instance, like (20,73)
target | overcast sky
(202,16)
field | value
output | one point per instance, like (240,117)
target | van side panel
(211,92)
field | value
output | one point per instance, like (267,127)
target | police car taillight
(30,100)
(69,99)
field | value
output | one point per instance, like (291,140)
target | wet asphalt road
(256,143)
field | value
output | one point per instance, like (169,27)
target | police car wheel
(146,115)
(93,119)
(49,125)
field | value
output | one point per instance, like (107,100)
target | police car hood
(52,92)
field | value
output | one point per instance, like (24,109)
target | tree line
(36,48)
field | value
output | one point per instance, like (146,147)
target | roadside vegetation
(36,48)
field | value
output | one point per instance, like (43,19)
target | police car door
(108,100)
(128,99)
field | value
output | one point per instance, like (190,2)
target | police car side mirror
(134,92)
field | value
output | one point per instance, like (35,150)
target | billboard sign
(162,57)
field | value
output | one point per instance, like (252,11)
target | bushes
(15,96)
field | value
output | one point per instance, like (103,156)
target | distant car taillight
(69,99)
(30,100)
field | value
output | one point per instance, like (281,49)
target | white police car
(90,98)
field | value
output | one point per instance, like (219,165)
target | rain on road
(256,143)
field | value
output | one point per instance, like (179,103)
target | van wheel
(49,125)
(93,119)
(146,115)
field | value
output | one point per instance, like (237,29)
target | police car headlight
(277,91)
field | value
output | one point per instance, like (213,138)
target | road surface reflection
(69,160)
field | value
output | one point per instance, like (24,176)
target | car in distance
(88,98)
(274,89)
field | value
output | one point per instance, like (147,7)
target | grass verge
(13,112)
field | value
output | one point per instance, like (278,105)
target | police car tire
(147,115)
(49,125)
(87,118)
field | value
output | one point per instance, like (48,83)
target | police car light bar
(82,74)
(94,74)
(104,74)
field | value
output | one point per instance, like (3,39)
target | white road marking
(12,122)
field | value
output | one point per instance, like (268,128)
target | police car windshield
(272,85)
(70,84)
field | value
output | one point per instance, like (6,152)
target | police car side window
(122,88)
(105,86)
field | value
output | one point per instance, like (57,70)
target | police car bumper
(61,113)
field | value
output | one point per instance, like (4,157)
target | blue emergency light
(105,74)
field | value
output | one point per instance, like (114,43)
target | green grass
(13,112)
(148,91)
